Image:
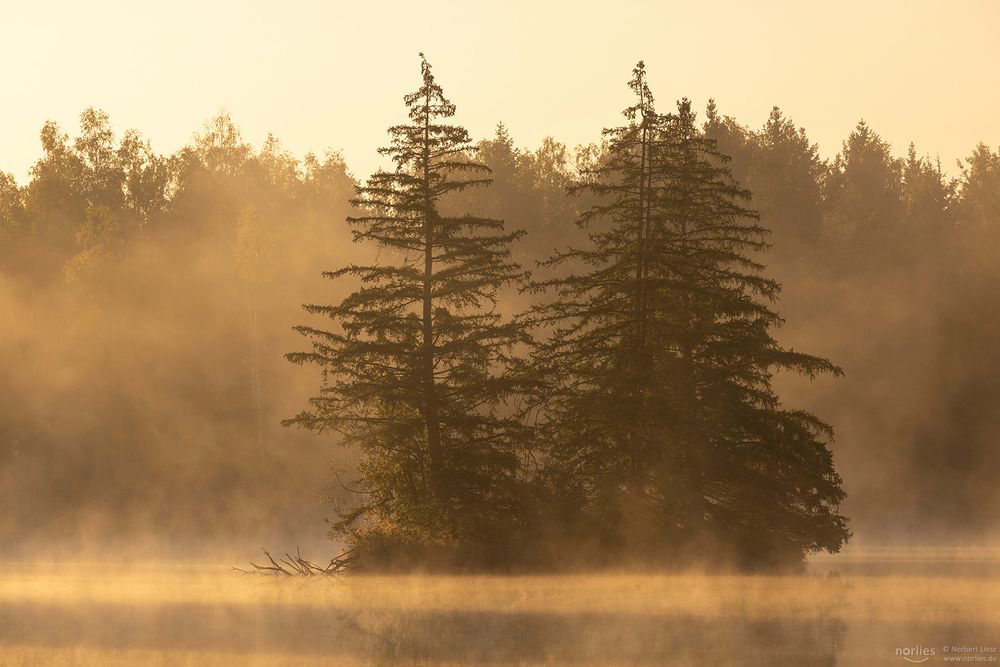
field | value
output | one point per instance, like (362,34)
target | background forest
(147,300)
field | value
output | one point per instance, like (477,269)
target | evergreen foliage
(662,418)
(416,370)
(146,301)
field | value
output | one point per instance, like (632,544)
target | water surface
(859,608)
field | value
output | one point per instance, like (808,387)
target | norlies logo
(916,653)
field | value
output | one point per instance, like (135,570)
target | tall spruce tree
(415,372)
(597,380)
(759,476)
(785,174)
(662,420)
(863,203)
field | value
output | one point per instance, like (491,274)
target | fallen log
(288,565)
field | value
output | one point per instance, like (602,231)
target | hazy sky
(331,74)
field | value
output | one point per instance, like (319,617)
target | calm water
(854,609)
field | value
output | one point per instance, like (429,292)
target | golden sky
(332,74)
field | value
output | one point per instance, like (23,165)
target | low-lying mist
(146,303)
(95,615)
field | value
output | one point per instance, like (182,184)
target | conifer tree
(863,215)
(662,419)
(758,477)
(980,196)
(785,175)
(415,368)
(595,369)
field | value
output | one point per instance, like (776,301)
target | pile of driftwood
(290,566)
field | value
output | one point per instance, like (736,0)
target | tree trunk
(640,430)
(693,442)
(431,419)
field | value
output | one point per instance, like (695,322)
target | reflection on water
(167,615)
(423,637)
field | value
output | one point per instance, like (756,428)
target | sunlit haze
(306,360)
(331,74)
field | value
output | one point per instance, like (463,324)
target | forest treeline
(150,298)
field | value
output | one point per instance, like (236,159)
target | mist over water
(855,609)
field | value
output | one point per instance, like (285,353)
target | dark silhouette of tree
(13,221)
(415,370)
(90,197)
(55,200)
(528,186)
(785,175)
(597,382)
(733,140)
(980,193)
(863,193)
(13,229)
(929,202)
(663,423)
(761,477)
